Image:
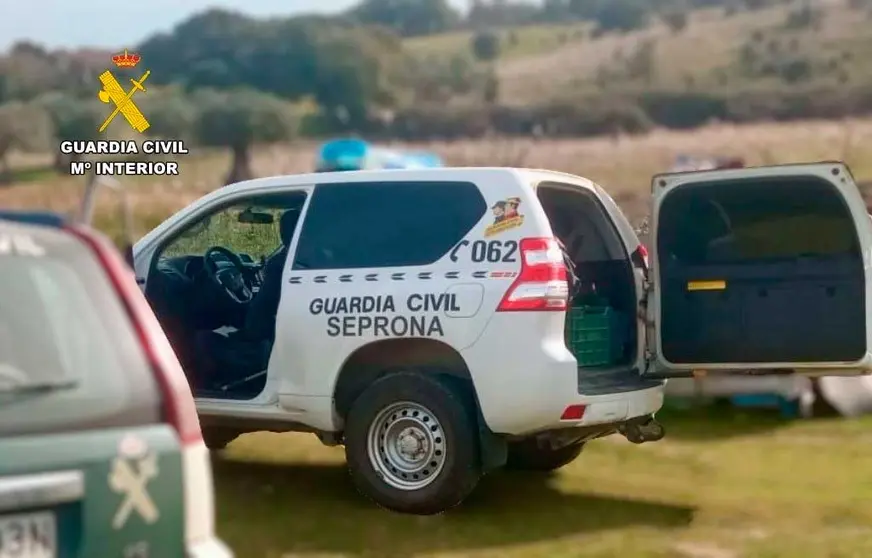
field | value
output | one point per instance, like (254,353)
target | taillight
(542,282)
(573,412)
(180,409)
(640,257)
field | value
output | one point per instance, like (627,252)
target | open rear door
(760,269)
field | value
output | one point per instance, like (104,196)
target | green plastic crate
(593,335)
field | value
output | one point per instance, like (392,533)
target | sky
(115,24)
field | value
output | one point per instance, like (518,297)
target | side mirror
(252,218)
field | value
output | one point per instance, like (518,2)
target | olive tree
(72,120)
(239,120)
(486,46)
(171,113)
(24,126)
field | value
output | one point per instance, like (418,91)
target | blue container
(355,154)
(342,154)
(788,408)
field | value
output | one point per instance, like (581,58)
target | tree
(407,17)
(749,59)
(486,46)
(29,70)
(170,112)
(622,15)
(555,10)
(795,70)
(502,13)
(676,20)
(355,71)
(206,50)
(24,126)
(642,63)
(72,120)
(804,16)
(345,67)
(491,88)
(238,120)
(613,15)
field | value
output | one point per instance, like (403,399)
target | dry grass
(623,165)
(548,60)
(530,40)
(710,41)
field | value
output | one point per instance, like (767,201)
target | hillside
(768,48)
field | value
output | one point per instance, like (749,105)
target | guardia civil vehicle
(443,322)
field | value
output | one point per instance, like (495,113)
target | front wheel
(411,444)
(526,455)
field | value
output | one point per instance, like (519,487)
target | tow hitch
(642,430)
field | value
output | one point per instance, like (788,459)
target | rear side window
(748,222)
(581,222)
(63,327)
(386,224)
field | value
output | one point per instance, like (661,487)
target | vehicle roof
(35,217)
(55,237)
(395,175)
(476,174)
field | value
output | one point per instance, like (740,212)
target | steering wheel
(231,280)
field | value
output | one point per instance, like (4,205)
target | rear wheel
(527,455)
(411,444)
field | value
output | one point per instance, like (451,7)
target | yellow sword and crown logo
(123,101)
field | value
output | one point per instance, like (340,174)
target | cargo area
(760,271)
(600,323)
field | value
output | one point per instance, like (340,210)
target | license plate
(28,535)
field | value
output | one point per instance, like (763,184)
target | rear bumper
(209,548)
(525,387)
(619,407)
(543,410)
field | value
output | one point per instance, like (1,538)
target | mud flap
(494,449)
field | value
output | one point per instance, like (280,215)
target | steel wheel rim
(406,445)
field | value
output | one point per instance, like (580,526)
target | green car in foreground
(101,453)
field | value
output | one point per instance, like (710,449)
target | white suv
(444,322)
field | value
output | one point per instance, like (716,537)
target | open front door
(760,269)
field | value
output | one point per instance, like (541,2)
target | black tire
(526,455)
(459,467)
(216,439)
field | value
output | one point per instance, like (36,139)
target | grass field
(719,486)
(748,486)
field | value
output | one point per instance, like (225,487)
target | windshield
(63,326)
